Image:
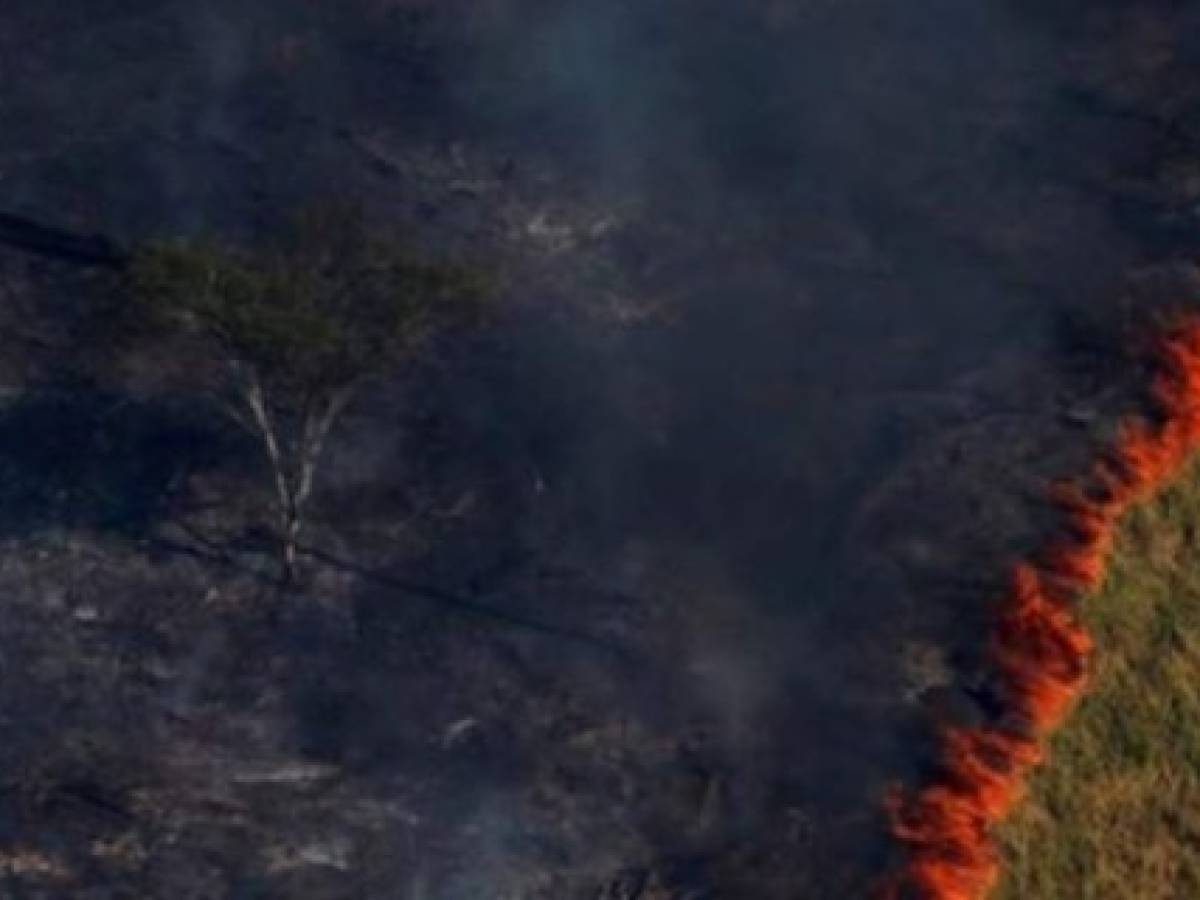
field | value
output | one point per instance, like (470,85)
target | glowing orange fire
(1039,649)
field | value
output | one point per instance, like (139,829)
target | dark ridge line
(29,236)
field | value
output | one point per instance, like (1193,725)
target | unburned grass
(1115,814)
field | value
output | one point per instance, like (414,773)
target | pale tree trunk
(293,465)
(318,421)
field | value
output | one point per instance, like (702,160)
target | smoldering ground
(766,262)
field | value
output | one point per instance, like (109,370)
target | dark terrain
(645,592)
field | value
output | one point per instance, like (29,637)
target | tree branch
(316,431)
(252,392)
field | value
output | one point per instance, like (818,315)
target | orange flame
(1039,648)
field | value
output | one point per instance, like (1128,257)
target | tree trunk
(263,428)
(292,523)
(294,464)
(314,430)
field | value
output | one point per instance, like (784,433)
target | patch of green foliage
(1115,815)
(282,335)
(329,301)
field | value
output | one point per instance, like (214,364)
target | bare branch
(316,431)
(266,431)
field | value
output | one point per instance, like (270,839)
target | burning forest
(514,450)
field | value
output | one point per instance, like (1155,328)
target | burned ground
(648,589)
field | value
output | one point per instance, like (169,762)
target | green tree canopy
(282,334)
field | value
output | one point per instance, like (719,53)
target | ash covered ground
(649,589)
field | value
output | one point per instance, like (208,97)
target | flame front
(1039,648)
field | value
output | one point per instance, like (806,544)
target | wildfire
(1039,648)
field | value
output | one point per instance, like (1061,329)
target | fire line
(1039,649)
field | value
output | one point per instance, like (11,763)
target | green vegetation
(1116,813)
(283,336)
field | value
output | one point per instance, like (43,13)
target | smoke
(850,243)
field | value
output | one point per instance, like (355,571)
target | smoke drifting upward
(768,259)
(1039,648)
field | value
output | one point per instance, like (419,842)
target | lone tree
(283,335)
